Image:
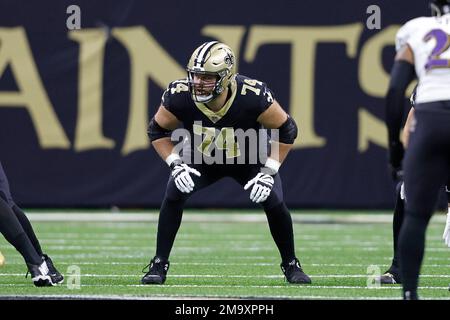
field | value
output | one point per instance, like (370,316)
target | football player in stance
(17,230)
(423,50)
(392,275)
(213,104)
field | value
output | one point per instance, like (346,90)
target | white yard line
(209,249)
(196,297)
(224,264)
(215,276)
(202,286)
(107,216)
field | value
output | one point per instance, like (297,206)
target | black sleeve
(266,98)
(401,76)
(174,98)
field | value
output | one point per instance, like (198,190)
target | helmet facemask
(205,91)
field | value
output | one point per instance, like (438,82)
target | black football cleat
(391,276)
(157,271)
(294,273)
(56,276)
(40,275)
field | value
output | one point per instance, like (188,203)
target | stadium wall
(75,104)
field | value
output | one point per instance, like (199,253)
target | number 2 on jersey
(442,44)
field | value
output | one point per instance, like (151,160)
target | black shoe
(157,271)
(294,273)
(56,276)
(40,275)
(391,276)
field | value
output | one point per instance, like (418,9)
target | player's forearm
(279,151)
(163,147)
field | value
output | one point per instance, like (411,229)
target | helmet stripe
(196,61)
(203,52)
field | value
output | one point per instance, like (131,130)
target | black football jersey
(230,134)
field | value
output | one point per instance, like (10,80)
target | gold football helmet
(210,59)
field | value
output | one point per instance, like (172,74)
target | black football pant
(426,169)
(398,220)
(15,226)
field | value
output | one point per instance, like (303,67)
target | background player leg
(14,233)
(392,275)
(446,235)
(57,277)
(26,225)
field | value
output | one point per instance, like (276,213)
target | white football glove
(446,235)
(262,186)
(181,175)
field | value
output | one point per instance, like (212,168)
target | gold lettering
(148,59)
(230,35)
(373,78)
(32,96)
(371,129)
(374,81)
(303,42)
(88,133)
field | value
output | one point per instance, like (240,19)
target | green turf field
(224,259)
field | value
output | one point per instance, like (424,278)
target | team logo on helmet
(229,59)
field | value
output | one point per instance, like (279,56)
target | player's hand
(181,174)
(396,153)
(262,186)
(446,235)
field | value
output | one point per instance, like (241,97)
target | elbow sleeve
(288,131)
(155,131)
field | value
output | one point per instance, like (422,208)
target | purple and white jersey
(429,39)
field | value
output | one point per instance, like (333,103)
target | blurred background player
(17,230)
(392,275)
(422,49)
(215,99)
